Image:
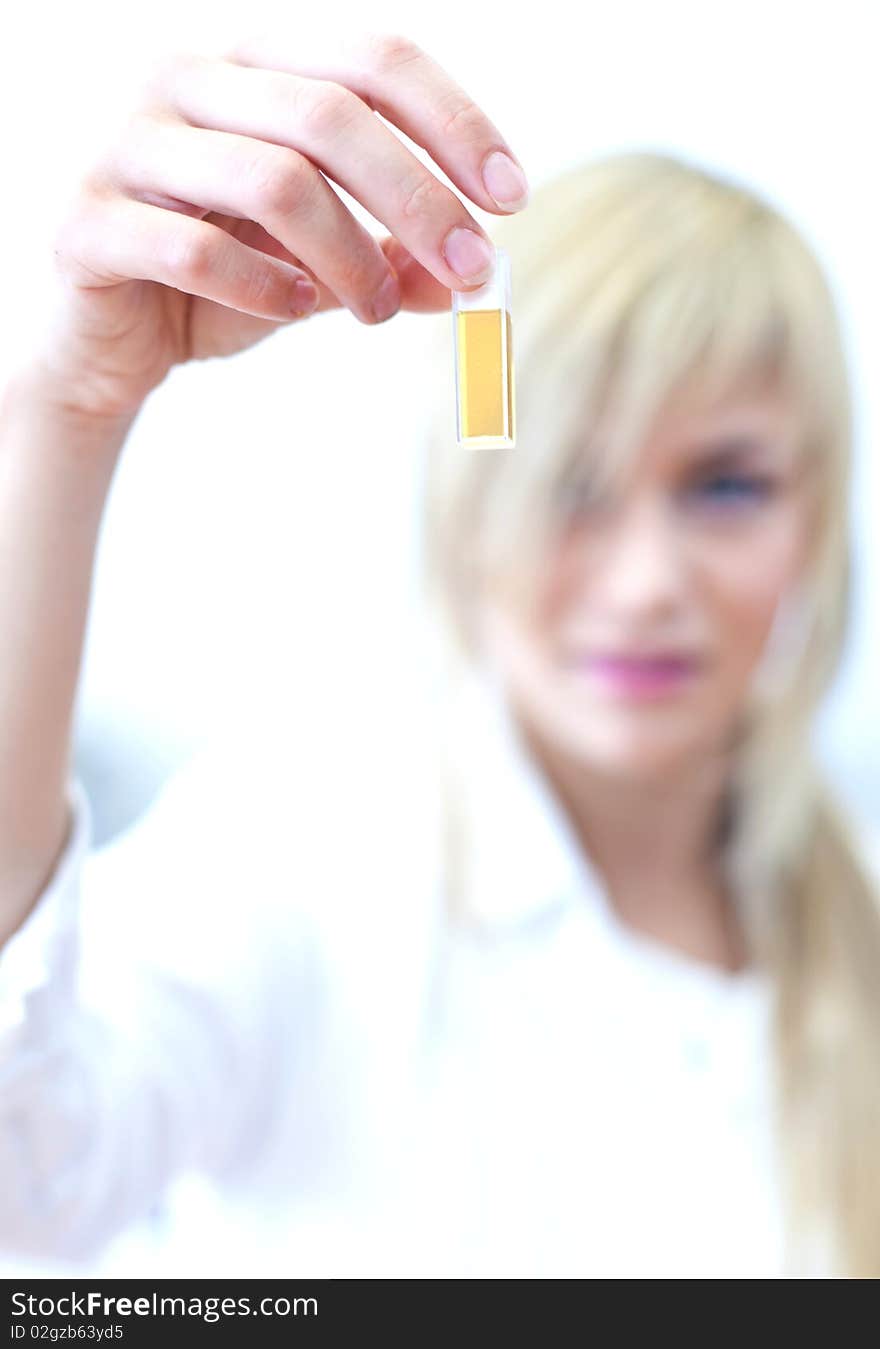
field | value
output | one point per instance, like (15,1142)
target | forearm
(56,466)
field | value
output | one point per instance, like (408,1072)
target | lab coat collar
(524,858)
(527,865)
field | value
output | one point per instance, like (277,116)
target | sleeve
(42,943)
(149,1007)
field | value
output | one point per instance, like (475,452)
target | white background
(264,499)
(260,523)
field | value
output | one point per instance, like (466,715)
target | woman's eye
(733,489)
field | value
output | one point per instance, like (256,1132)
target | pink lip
(640,677)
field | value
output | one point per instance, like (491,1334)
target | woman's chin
(635,745)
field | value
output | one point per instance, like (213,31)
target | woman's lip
(639,674)
(658,660)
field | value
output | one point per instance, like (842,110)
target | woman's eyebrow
(722,449)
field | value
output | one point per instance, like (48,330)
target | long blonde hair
(630,275)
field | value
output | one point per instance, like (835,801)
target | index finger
(399,80)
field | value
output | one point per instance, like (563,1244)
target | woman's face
(659,594)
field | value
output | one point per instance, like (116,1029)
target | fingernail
(305,298)
(505,181)
(469,255)
(386,301)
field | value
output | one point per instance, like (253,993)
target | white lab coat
(250,1001)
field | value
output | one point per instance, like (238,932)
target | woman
(508,1008)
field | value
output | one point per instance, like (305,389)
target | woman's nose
(642,564)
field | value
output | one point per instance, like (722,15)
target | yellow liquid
(485,373)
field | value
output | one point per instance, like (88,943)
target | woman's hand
(210,219)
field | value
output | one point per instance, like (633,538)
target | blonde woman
(576,972)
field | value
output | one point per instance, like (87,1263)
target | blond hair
(631,275)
